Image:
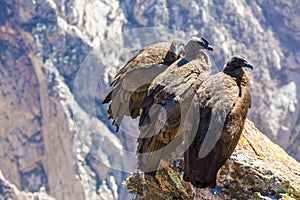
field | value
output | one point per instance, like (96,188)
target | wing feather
(164,107)
(132,81)
(217,97)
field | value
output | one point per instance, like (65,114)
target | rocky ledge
(258,169)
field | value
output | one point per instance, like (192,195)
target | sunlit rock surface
(58,56)
(258,169)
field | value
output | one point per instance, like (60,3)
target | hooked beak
(176,52)
(248,65)
(179,51)
(210,48)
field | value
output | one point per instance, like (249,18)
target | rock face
(258,169)
(40,145)
(10,191)
(54,132)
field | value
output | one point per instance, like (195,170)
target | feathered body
(165,104)
(221,103)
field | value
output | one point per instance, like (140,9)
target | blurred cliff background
(53,144)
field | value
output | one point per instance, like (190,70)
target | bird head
(234,68)
(194,46)
(177,47)
(203,43)
(238,62)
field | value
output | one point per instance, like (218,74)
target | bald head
(238,62)
(195,45)
(234,68)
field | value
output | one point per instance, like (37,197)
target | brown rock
(258,168)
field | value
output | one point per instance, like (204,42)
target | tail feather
(201,172)
(107,98)
(117,122)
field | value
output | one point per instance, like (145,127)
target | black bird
(215,122)
(165,103)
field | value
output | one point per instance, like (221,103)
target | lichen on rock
(258,169)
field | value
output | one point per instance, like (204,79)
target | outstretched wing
(131,89)
(133,80)
(153,54)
